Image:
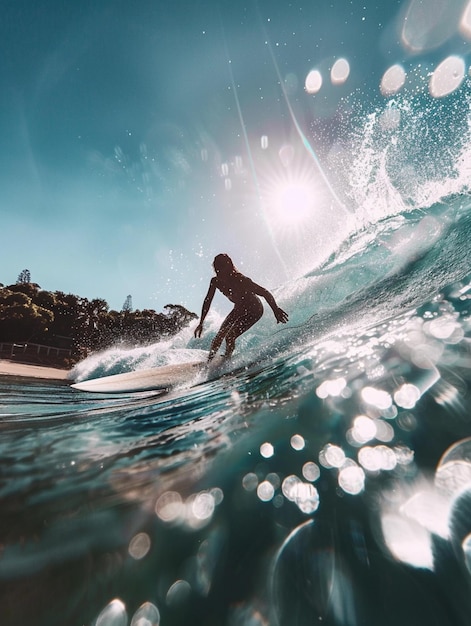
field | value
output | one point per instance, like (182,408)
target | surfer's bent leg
(239,320)
(246,318)
(225,326)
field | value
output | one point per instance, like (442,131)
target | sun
(291,193)
(289,201)
(292,202)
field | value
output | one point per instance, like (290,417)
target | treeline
(29,314)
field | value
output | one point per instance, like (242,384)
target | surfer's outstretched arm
(280,315)
(206,305)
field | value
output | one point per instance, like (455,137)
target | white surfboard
(156,378)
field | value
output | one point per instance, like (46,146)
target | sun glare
(292,202)
(290,193)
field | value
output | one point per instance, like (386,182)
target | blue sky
(140,139)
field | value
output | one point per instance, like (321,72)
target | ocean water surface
(325,476)
(325,479)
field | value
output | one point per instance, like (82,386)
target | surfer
(248,308)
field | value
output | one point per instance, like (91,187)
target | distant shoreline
(10,368)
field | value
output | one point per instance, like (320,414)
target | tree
(178,317)
(23,277)
(127,306)
(28,288)
(181,315)
(20,318)
(56,319)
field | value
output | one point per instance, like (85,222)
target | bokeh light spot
(369,459)
(404,455)
(377,458)
(445,328)
(408,541)
(453,474)
(376,397)
(304,495)
(250,481)
(430,509)
(393,80)
(203,505)
(466,545)
(274,479)
(289,486)
(332,456)
(352,479)
(114,614)
(146,615)
(169,506)
(267,450)
(447,77)
(340,71)
(297,442)
(311,471)
(465,23)
(384,431)
(139,546)
(313,82)
(218,495)
(407,396)
(307,498)
(331,388)
(178,593)
(427,25)
(265,491)
(388,458)
(364,429)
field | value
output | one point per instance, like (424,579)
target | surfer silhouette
(248,308)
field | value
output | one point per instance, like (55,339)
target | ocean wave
(388,268)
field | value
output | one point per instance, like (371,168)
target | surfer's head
(223,264)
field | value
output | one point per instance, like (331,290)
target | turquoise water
(326,476)
(329,481)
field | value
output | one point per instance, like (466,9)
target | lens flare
(267,450)
(447,77)
(352,479)
(293,202)
(290,193)
(340,71)
(427,25)
(313,82)
(114,613)
(311,471)
(146,615)
(393,80)
(265,491)
(139,546)
(465,23)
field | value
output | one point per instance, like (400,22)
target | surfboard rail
(153,379)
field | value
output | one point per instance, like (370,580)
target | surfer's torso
(238,289)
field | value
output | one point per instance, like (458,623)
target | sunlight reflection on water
(341,422)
